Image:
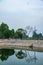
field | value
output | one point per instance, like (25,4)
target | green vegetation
(37,36)
(6,33)
(5,53)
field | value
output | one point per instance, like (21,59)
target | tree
(20,33)
(35,35)
(12,33)
(29,30)
(7,33)
(3,27)
(40,36)
(1,35)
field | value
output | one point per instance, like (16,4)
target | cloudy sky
(21,13)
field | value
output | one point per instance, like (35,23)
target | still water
(20,57)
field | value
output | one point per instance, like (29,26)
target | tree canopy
(6,33)
(20,33)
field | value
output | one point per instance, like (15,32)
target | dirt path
(20,43)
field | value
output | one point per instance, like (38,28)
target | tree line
(6,33)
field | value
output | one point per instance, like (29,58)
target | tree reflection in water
(20,54)
(28,57)
(5,53)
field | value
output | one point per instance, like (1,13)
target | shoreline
(22,44)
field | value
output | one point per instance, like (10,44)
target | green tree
(7,33)
(12,33)
(35,35)
(20,33)
(3,27)
(1,35)
(40,36)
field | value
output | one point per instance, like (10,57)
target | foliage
(37,36)
(6,33)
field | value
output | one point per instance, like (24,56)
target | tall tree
(3,27)
(20,33)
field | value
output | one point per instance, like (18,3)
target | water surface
(20,57)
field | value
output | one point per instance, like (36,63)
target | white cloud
(19,5)
(18,13)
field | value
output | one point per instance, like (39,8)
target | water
(20,57)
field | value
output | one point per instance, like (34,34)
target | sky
(21,13)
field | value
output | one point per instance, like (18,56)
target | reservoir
(20,57)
